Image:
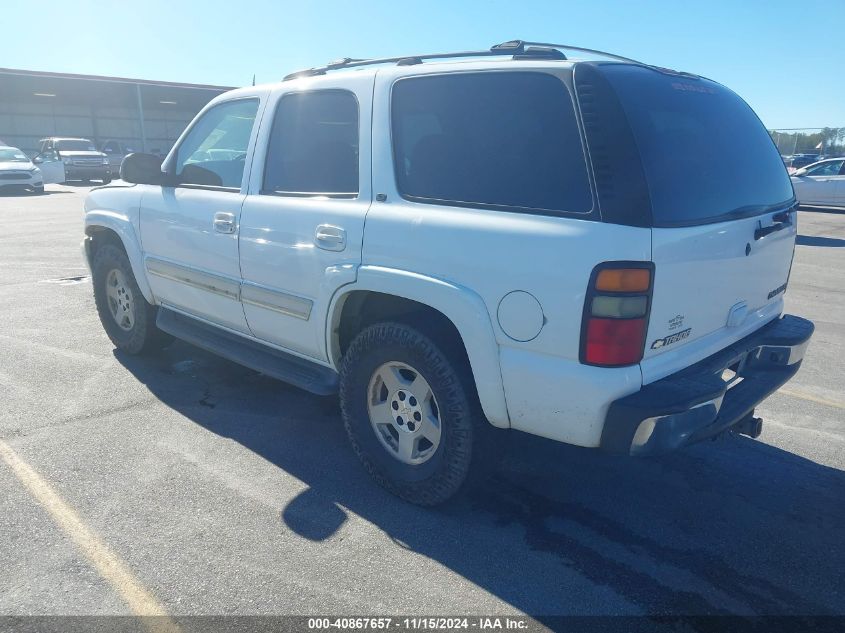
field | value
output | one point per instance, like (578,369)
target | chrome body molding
(246,292)
(277,301)
(210,282)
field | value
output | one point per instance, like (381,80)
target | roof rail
(517,48)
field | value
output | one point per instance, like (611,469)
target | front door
(818,184)
(302,223)
(839,192)
(51,166)
(189,230)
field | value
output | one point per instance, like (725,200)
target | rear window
(504,140)
(705,154)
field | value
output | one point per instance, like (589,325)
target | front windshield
(12,155)
(75,145)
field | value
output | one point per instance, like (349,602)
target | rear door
(302,224)
(721,210)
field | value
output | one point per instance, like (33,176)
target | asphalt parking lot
(225,492)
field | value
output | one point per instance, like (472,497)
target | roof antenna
(253,79)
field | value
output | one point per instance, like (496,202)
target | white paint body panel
(701,273)
(177,226)
(494,253)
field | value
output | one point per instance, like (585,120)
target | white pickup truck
(459,243)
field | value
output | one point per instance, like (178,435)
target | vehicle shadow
(730,527)
(811,240)
(821,209)
(28,194)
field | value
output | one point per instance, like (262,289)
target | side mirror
(142,169)
(38,160)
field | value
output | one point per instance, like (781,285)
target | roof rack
(519,49)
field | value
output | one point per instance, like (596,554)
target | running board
(299,372)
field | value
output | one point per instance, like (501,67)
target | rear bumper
(697,403)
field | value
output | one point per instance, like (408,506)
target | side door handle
(224,222)
(330,238)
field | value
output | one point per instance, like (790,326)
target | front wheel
(106,180)
(412,414)
(126,316)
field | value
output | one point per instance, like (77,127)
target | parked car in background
(821,183)
(17,172)
(802,160)
(116,151)
(80,157)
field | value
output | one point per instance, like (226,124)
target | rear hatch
(715,192)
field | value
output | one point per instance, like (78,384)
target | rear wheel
(412,414)
(126,316)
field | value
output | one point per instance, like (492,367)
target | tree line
(828,141)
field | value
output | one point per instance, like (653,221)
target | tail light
(616,310)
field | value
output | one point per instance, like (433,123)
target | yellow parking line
(811,398)
(102,557)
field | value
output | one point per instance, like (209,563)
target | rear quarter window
(502,140)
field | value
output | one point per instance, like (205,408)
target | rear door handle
(330,238)
(224,222)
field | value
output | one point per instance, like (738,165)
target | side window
(214,151)
(314,145)
(503,140)
(828,169)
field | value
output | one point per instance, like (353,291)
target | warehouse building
(144,115)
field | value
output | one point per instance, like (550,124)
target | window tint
(828,169)
(214,151)
(705,153)
(314,145)
(506,139)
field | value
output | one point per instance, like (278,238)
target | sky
(781,56)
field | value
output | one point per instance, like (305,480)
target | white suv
(511,240)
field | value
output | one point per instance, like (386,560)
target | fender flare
(123,227)
(463,307)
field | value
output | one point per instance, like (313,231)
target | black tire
(465,452)
(143,335)
(38,191)
(106,180)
